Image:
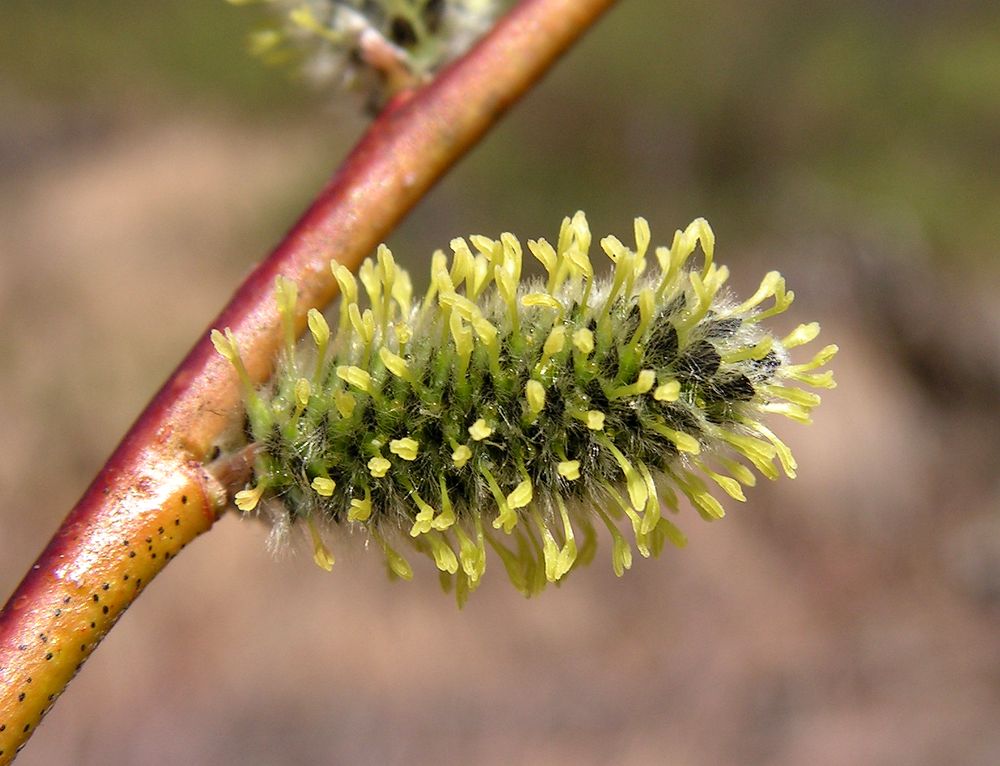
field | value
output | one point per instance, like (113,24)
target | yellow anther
(569,469)
(247,499)
(579,261)
(642,385)
(302,392)
(772,282)
(345,279)
(402,292)
(355,376)
(543,251)
(506,285)
(801,335)
(741,473)
(568,554)
(462,262)
(594,420)
(321,554)
(344,403)
(323,486)
(480,430)
(225,346)
(613,247)
(361,510)
(621,553)
(506,518)
(512,254)
(555,342)
(729,485)
(758,452)
(701,498)
(286,294)
(446,518)
(822,357)
(363,323)
(521,495)
(406,448)
(378,466)
(440,278)
(397,565)
(642,236)
(371,281)
(535,394)
(386,264)
(645,381)
(444,556)
(683,441)
(461,335)
(461,456)
(583,340)
(488,247)
(633,516)
(784,454)
(668,392)
(395,364)
(423,520)
(818,380)
(487,332)
(699,230)
(472,554)
(550,549)
(319,328)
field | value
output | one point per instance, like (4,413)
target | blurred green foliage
(748,113)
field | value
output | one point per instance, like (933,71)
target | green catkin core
(516,416)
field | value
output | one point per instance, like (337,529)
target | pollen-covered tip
(517,416)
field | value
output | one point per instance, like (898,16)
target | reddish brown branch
(153,495)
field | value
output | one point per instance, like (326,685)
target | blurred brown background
(850,616)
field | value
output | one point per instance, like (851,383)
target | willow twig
(154,495)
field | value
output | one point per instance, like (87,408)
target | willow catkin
(518,416)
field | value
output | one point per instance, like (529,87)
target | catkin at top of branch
(375,47)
